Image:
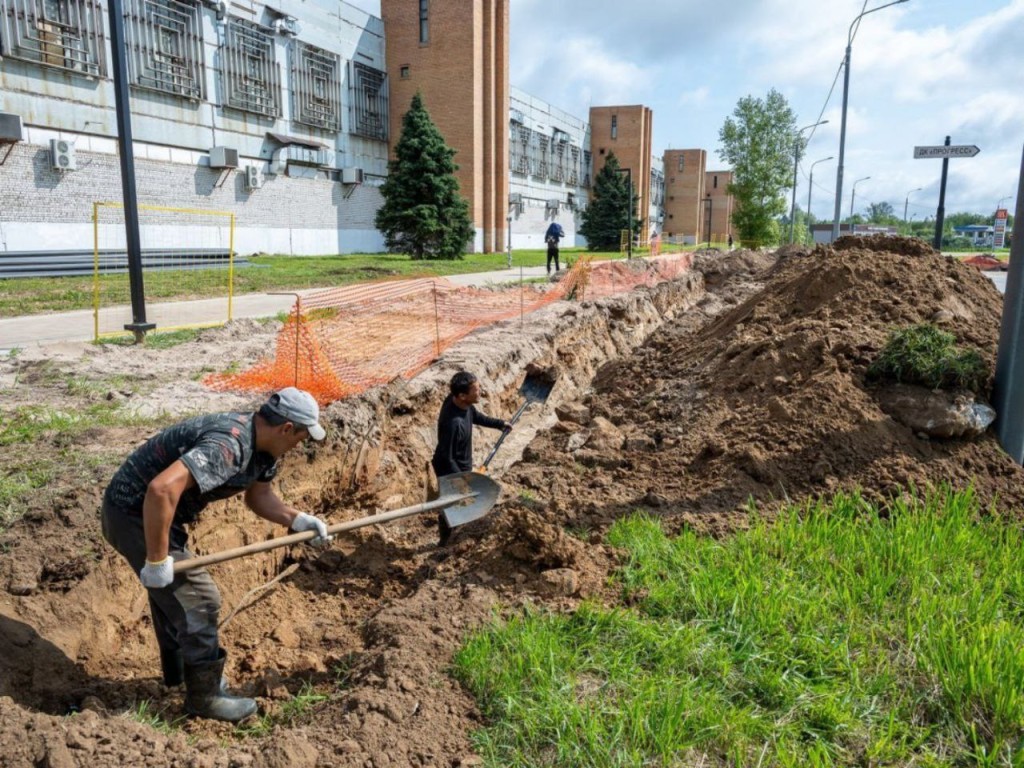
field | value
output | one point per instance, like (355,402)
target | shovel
(536,388)
(465,497)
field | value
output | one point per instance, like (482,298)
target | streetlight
(1000,203)
(796,168)
(842,130)
(810,187)
(907,202)
(853,196)
(629,208)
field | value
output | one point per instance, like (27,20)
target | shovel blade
(468,510)
(536,387)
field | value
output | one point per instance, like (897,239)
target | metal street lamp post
(629,208)
(796,168)
(907,202)
(810,187)
(842,129)
(853,195)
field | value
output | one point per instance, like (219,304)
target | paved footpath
(20,332)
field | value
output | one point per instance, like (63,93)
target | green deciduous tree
(882,213)
(758,141)
(606,214)
(423,213)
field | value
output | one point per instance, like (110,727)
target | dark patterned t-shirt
(218,449)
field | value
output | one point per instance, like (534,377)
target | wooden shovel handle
(180,566)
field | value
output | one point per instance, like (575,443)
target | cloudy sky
(920,70)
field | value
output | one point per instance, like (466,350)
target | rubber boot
(172,664)
(205,695)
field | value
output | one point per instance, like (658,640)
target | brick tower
(455,53)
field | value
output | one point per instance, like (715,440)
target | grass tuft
(924,354)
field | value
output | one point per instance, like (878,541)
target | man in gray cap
(162,487)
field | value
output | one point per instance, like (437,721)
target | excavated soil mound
(769,400)
(754,389)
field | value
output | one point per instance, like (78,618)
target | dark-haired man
(162,487)
(454,452)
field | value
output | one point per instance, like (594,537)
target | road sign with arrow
(942,151)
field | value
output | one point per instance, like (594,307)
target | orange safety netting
(341,341)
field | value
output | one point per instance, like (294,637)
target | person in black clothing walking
(454,452)
(551,237)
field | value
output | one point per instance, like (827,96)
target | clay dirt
(744,381)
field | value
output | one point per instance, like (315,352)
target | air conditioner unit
(351,175)
(252,177)
(223,157)
(11,129)
(62,155)
(288,25)
(552,205)
(515,198)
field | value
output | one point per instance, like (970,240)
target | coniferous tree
(423,213)
(606,215)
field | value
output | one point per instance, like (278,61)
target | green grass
(157,339)
(839,636)
(26,296)
(144,712)
(28,423)
(924,354)
(299,705)
(17,484)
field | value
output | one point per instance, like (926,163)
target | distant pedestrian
(730,241)
(551,237)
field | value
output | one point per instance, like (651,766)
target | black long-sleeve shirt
(454,452)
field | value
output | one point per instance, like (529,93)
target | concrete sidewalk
(20,332)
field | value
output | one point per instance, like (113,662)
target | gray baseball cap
(298,407)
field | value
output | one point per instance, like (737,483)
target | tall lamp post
(907,202)
(796,167)
(629,208)
(853,195)
(842,129)
(810,187)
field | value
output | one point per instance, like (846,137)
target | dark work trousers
(553,256)
(185,612)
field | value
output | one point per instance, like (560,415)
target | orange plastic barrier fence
(338,342)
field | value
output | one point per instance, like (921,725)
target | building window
(681,160)
(715,182)
(316,87)
(165,46)
(369,97)
(424,21)
(252,80)
(404,72)
(615,126)
(64,34)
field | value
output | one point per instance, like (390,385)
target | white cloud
(920,70)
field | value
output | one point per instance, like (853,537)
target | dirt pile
(769,399)
(754,388)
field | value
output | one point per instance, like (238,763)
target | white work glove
(157,575)
(304,522)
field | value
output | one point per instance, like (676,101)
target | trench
(330,615)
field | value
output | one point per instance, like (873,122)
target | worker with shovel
(454,452)
(162,487)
